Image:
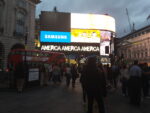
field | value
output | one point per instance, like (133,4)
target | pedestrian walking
(145,80)
(68,74)
(115,73)
(95,85)
(83,86)
(74,73)
(56,73)
(124,77)
(20,76)
(135,84)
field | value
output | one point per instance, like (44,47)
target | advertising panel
(52,36)
(105,36)
(85,36)
(71,48)
(105,48)
(92,21)
(33,74)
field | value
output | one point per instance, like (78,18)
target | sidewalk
(60,99)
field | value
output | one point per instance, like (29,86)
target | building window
(21,3)
(20,23)
(1,14)
(138,55)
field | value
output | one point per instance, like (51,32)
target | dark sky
(138,10)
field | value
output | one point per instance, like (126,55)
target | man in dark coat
(95,85)
(135,84)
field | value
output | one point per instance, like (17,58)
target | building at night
(76,34)
(134,46)
(17,24)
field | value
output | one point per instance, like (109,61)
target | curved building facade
(76,34)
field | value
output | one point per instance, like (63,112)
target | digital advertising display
(105,36)
(71,48)
(105,48)
(53,36)
(92,21)
(85,36)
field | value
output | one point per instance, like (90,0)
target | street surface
(60,99)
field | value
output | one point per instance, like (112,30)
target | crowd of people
(96,79)
(47,73)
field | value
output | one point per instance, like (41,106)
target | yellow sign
(85,33)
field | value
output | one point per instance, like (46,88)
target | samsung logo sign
(56,36)
(51,36)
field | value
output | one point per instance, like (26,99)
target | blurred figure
(124,79)
(135,74)
(56,73)
(115,74)
(42,72)
(83,85)
(95,85)
(74,73)
(68,74)
(50,69)
(145,80)
(20,76)
(46,74)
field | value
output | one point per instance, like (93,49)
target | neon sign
(70,48)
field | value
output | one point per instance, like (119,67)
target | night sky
(138,10)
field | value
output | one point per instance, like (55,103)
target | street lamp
(26,39)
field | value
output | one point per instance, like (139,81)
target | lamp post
(26,39)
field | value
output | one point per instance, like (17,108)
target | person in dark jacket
(21,72)
(74,73)
(135,84)
(95,85)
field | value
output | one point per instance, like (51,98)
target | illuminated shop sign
(105,60)
(51,36)
(92,21)
(105,48)
(70,48)
(85,35)
(105,36)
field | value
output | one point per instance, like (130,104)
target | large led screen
(105,48)
(51,36)
(85,36)
(105,36)
(92,21)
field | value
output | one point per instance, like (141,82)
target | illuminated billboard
(51,36)
(78,28)
(105,36)
(92,21)
(85,36)
(105,48)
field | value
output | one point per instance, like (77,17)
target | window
(21,14)
(21,3)
(106,49)
(20,23)
(1,12)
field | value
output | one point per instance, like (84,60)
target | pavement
(57,98)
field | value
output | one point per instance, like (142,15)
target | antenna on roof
(148,18)
(129,19)
(55,9)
